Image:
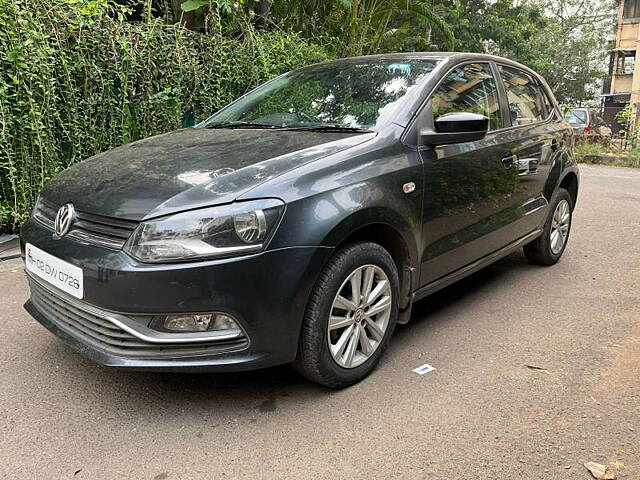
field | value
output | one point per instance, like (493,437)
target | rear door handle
(509,161)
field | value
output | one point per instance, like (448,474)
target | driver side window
(469,88)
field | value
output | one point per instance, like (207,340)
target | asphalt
(537,372)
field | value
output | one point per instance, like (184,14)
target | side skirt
(473,267)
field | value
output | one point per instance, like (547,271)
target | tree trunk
(353,25)
(263,8)
(187,19)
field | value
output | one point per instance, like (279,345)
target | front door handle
(509,161)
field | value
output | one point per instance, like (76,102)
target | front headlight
(228,230)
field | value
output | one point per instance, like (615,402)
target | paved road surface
(483,414)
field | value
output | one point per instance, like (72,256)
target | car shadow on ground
(485,280)
(265,390)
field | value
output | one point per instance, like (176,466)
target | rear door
(535,138)
(469,187)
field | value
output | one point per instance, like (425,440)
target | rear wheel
(549,247)
(350,317)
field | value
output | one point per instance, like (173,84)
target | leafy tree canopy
(565,40)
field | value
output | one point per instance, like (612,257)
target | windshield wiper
(329,128)
(242,125)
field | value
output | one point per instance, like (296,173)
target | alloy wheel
(359,316)
(560,226)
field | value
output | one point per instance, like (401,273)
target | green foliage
(78,77)
(75,81)
(191,5)
(589,147)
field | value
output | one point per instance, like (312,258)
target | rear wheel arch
(570,183)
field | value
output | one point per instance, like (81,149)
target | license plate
(58,273)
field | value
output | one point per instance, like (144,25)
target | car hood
(187,169)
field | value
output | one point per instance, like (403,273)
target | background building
(623,86)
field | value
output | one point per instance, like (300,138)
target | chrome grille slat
(84,329)
(116,223)
(103,334)
(72,309)
(63,313)
(100,230)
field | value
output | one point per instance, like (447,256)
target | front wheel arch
(401,249)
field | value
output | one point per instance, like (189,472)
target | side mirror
(456,127)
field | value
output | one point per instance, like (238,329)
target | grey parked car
(301,222)
(587,122)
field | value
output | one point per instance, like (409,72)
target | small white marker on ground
(422,369)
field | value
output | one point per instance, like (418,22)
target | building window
(626,63)
(631,9)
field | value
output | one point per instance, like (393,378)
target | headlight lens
(215,232)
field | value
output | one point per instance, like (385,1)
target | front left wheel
(350,316)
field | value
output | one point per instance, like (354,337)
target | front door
(470,188)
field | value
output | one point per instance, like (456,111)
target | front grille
(82,323)
(97,229)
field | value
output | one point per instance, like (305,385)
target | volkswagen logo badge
(64,219)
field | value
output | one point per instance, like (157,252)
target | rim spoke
(339,322)
(339,347)
(376,292)
(356,286)
(353,345)
(345,304)
(381,306)
(369,276)
(365,345)
(375,330)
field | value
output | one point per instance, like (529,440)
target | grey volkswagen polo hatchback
(300,223)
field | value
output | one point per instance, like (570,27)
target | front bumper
(267,293)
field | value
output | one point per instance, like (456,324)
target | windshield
(359,95)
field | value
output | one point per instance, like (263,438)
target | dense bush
(76,79)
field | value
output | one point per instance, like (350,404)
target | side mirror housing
(458,127)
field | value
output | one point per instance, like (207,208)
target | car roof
(451,57)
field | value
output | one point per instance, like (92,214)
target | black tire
(314,360)
(539,251)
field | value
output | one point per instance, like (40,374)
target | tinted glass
(527,101)
(352,94)
(470,88)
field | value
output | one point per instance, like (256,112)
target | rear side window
(469,88)
(527,101)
